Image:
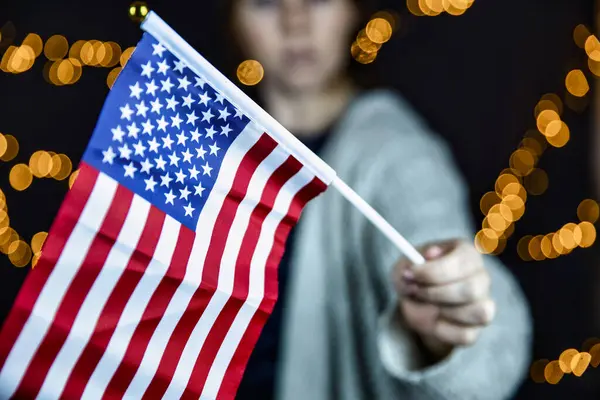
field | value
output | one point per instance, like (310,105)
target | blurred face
(302,44)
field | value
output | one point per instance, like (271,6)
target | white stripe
(257,283)
(134,310)
(87,317)
(227,271)
(53,291)
(195,267)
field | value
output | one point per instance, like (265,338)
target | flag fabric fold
(160,268)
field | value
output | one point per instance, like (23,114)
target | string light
(138,11)
(432,8)
(250,72)
(570,361)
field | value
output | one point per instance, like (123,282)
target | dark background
(476,78)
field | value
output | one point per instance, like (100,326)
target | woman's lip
(294,57)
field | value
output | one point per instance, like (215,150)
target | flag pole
(372,215)
(154,25)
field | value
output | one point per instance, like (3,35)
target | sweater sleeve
(424,198)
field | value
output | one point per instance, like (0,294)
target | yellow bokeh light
(594,67)
(20,177)
(426,10)
(102,53)
(75,50)
(504,211)
(544,118)
(451,9)
(250,72)
(547,248)
(536,182)
(115,55)
(12,148)
(557,245)
(504,180)
(553,373)
(77,70)
(561,138)
(390,16)
(515,189)
(379,30)
(487,201)
(564,361)
(535,248)
(595,353)
(413,7)
(65,72)
(580,362)
(361,56)
(87,52)
(580,34)
(4,221)
(73,178)
(522,162)
(436,6)
(21,59)
(497,222)
(35,259)
(588,234)
(592,47)
(576,83)
(553,97)
(34,41)
(38,241)
(112,76)
(570,235)
(6,238)
(545,104)
(366,44)
(516,206)
(536,371)
(588,210)
(126,55)
(33,163)
(19,253)
(508,232)
(138,11)
(485,243)
(3,145)
(56,47)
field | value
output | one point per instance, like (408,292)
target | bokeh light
(34,41)
(61,167)
(536,182)
(592,47)
(11,150)
(379,30)
(360,56)
(561,138)
(426,9)
(553,373)
(72,178)
(487,201)
(544,118)
(580,34)
(126,55)
(56,47)
(576,83)
(366,44)
(19,253)
(138,11)
(522,162)
(485,242)
(570,235)
(536,372)
(580,362)
(588,234)
(112,76)
(414,8)
(20,177)
(250,72)
(588,210)
(564,361)
(38,241)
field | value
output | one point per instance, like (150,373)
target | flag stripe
(154,311)
(65,222)
(52,293)
(242,275)
(225,376)
(132,314)
(107,322)
(173,350)
(75,294)
(91,308)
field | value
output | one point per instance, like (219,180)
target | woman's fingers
(480,313)
(464,291)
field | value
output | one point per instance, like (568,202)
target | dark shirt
(259,378)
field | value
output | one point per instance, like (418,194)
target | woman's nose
(295,17)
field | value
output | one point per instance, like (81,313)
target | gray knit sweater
(341,340)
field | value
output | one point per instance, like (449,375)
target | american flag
(160,269)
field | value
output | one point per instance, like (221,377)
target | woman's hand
(446,300)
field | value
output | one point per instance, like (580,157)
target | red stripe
(235,370)
(153,314)
(113,309)
(242,275)
(204,292)
(63,226)
(75,294)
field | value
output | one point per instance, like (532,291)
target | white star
(199,82)
(146,166)
(165,180)
(176,121)
(162,124)
(183,83)
(148,127)
(163,67)
(184,193)
(214,149)
(224,114)
(166,85)
(195,136)
(189,210)
(130,170)
(133,130)
(179,66)
(170,197)
(156,106)
(126,112)
(199,189)
(136,90)
(210,132)
(207,116)
(206,169)
(147,70)
(150,183)
(151,88)
(204,99)
(139,148)
(118,134)
(219,98)
(174,159)
(141,109)
(109,155)
(180,176)
(167,142)
(191,118)
(153,145)
(125,151)
(187,156)
(201,152)
(193,172)
(158,49)
(181,138)
(225,130)
(160,163)
(187,101)
(172,103)
(238,114)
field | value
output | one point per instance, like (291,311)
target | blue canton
(163,132)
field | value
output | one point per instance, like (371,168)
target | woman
(354,319)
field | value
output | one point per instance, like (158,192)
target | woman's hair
(362,75)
